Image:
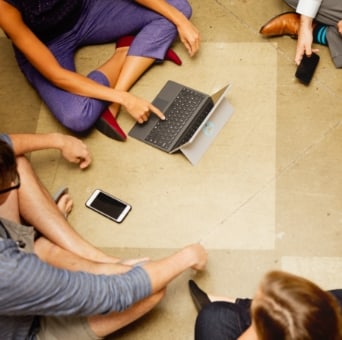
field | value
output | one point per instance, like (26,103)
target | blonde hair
(289,307)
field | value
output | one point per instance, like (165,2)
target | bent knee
(80,122)
(81,119)
(43,247)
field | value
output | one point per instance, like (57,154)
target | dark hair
(8,164)
(289,307)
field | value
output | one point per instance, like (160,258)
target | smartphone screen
(108,205)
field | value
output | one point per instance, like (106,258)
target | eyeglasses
(16,184)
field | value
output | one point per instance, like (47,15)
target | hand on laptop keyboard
(140,109)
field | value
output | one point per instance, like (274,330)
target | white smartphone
(108,205)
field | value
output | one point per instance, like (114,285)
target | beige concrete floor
(267,193)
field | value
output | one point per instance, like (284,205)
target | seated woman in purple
(46,35)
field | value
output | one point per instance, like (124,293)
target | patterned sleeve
(29,286)
(6,139)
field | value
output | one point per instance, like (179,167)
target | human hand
(189,36)
(200,256)
(305,39)
(339,26)
(75,151)
(140,109)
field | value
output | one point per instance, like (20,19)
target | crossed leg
(33,204)
(123,71)
(101,325)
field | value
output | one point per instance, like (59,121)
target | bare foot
(114,108)
(64,202)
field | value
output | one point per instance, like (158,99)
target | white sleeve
(308,7)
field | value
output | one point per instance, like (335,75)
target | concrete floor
(267,193)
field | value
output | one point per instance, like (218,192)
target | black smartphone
(307,67)
(108,205)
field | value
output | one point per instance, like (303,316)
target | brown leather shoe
(282,24)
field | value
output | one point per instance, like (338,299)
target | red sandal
(108,125)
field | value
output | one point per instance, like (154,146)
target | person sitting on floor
(285,307)
(318,21)
(53,283)
(47,34)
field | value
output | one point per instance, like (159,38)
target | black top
(48,18)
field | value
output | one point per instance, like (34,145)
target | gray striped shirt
(30,287)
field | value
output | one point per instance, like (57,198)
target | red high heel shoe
(108,125)
(170,53)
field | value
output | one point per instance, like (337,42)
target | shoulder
(9,12)
(6,138)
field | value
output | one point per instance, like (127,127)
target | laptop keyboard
(198,121)
(178,114)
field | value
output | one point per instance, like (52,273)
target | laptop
(193,119)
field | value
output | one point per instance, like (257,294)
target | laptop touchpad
(160,104)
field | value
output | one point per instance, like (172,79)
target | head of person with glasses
(9,177)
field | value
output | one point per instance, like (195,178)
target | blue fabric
(6,139)
(329,14)
(322,35)
(30,287)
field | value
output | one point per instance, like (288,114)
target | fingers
(301,50)
(307,52)
(298,58)
(192,45)
(157,112)
(147,112)
(339,27)
(84,162)
(75,151)
(201,256)
(144,117)
(83,157)
(190,37)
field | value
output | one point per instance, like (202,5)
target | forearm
(41,58)
(81,85)
(24,143)
(305,23)
(163,271)
(61,292)
(72,148)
